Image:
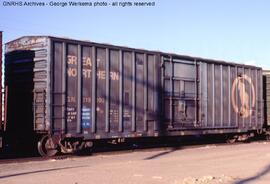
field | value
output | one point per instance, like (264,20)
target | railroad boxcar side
(106,91)
(67,93)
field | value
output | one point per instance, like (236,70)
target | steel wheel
(231,139)
(46,147)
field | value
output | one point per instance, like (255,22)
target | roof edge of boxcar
(180,56)
(266,72)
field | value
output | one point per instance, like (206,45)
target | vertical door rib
(171,93)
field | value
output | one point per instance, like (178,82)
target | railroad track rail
(122,149)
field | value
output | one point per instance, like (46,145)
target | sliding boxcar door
(180,93)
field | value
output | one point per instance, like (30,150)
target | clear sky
(233,30)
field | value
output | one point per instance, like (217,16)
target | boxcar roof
(174,55)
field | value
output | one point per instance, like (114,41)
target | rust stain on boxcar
(27,43)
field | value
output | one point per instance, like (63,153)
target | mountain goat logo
(243,96)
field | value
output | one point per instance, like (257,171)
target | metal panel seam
(79,90)
(64,86)
(145,86)
(93,89)
(221,95)
(48,120)
(121,91)
(213,95)
(133,92)
(107,108)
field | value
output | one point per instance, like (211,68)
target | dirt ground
(207,164)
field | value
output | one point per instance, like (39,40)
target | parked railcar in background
(1,122)
(67,94)
(266,97)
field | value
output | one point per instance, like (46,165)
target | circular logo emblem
(240,90)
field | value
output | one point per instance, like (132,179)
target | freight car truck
(67,94)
